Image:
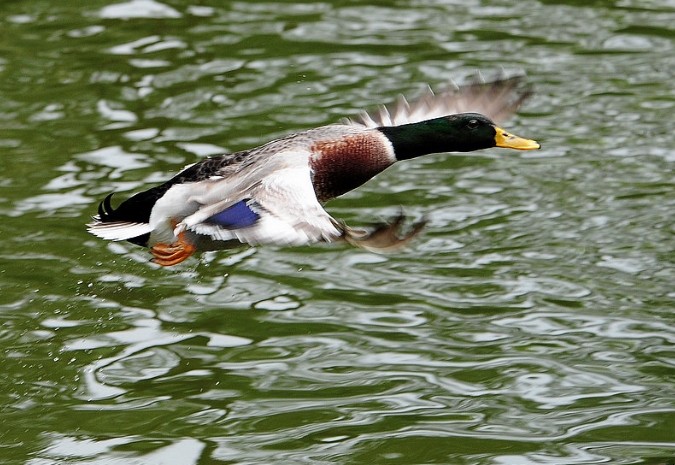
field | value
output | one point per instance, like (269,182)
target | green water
(532,324)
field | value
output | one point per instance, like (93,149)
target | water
(531,324)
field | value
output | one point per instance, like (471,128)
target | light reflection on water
(531,324)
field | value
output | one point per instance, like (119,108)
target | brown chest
(338,166)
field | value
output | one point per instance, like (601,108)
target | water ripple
(532,323)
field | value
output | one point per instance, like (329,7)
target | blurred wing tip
(497,97)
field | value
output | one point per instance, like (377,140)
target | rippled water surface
(532,323)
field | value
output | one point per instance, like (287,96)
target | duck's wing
(280,208)
(497,99)
(383,237)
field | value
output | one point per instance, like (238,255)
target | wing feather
(285,203)
(497,99)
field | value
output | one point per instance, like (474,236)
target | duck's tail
(127,222)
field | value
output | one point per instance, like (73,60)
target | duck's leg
(172,254)
(386,237)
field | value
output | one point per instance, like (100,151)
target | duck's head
(461,132)
(473,131)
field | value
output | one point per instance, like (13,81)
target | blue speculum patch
(238,215)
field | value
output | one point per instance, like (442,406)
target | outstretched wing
(280,209)
(497,99)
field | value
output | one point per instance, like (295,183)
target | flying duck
(274,194)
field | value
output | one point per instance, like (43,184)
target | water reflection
(138,9)
(110,451)
(142,356)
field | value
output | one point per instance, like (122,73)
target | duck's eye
(472,124)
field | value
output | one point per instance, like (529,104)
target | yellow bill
(511,141)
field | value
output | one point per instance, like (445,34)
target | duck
(275,194)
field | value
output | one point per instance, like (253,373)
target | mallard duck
(274,194)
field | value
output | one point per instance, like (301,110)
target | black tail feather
(105,209)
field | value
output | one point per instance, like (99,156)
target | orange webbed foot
(172,254)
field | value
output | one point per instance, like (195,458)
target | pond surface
(531,324)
